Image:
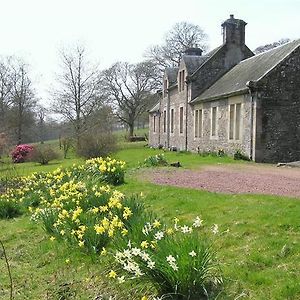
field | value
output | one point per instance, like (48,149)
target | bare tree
(5,88)
(22,98)
(78,93)
(267,47)
(130,87)
(41,113)
(182,35)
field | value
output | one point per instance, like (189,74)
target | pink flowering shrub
(20,153)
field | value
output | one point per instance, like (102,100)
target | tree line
(90,100)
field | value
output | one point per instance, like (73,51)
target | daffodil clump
(177,260)
(40,188)
(83,215)
(156,160)
(109,170)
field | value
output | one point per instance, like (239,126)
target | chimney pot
(231,16)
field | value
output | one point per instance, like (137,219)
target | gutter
(251,85)
(186,116)
(168,119)
(235,93)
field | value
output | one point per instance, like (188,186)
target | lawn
(257,247)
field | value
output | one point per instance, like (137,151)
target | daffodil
(112,274)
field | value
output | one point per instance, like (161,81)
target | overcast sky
(121,30)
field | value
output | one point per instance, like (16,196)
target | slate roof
(192,62)
(155,108)
(172,75)
(251,69)
(205,58)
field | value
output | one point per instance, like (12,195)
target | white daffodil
(159,235)
(215,229)
(197,222)
(170,259)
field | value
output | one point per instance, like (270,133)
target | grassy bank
(258,246)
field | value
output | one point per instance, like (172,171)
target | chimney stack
(193,51)
(234,31)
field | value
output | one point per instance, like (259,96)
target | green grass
(259,255)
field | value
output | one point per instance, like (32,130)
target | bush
(238,155)
(91,146)
(42,154)
(155,161)
(21,153)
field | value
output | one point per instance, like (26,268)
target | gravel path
(234,179)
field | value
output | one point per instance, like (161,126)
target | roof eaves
(222,96)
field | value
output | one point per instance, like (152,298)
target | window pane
(214,121)
(154,123)
(165,121)
(181,120)
(200,123)
(231,121)
(172,120)
(237,121)
(196,126)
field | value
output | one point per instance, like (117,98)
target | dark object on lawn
(137,138)
(173,149)
(160,146)
(176,164)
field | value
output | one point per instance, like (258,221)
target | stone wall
(278,101)
(154,137)
(173,100)
(221,141)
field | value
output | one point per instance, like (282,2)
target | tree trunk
(131,129)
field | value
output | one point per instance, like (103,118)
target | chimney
(193,51)
(234,31)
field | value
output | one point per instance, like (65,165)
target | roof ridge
(215,51)
(273,49)
(281,60)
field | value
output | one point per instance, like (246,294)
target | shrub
(221,153)
(21,153)
(238,155)
(155,161)
(91,146)
(42,154)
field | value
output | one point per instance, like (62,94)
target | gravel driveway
(234,179)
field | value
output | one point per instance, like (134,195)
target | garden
(100,229)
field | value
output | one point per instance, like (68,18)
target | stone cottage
(233,100)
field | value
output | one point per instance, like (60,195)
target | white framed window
(181,119)
(235,114)
(154,124)
(165,121)
(172,120)
(181,81)
(198,123)
(214,122)
(166,86)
